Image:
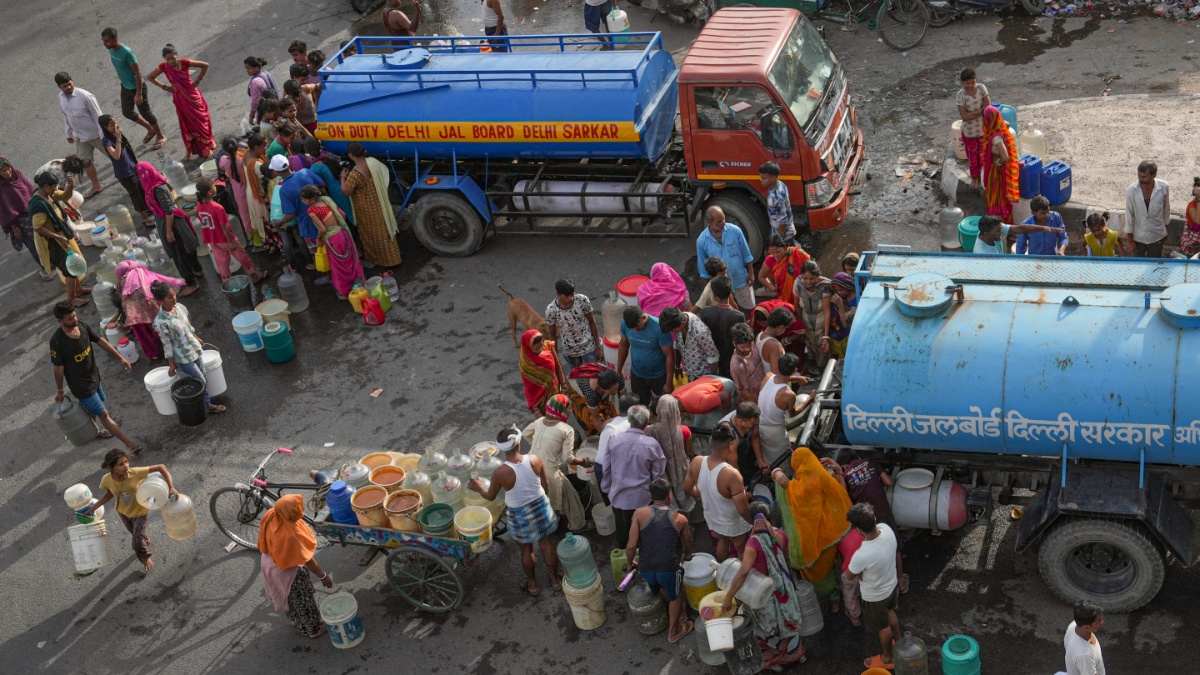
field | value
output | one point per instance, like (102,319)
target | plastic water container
(433,462)
(1009,113)
(152,492)
(968,231)
(575,555)
(176,174)
(1030,180)
(96,516)
(338,499)
(368,506)
(587,604)
(616,565)
(74,422)
(246,325)
(746,657)
(357,475)
(158,383)
(275,309)
(179,515)
(339,611)
(291,287)
(612,311)
(83,232)
(437,520)
(474,526)
(78,496)
(960,150)
(811,618)
(277,340)
(188,393)
(236,290)
(387,477)
(699,578)
(380,294)
(473,498)
(214,370)
(627,288)
(647,609)
(948,220)
(102,294)
(100,236)
(703,652)
(605,519)
(127,350)
(618,22)
(209,169)
(589,450)
(447,489)
(119,239)
(392,288)
(355,298)
(89,546)
(421,482)
(756,591)
(910,656)
(402,507)
(1056,182)
(1031,142)
(960,656)
(119,220)
(460,465)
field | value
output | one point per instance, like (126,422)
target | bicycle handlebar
(263,464)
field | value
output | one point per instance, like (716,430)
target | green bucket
(437,520)
(968,231)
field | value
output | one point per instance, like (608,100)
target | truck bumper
(831,216)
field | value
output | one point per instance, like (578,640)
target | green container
(960,656)
(437,520)
(278,341)
(968,231)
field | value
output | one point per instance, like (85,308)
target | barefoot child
(121,484)
(216,232)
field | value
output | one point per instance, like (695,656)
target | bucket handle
(211,346)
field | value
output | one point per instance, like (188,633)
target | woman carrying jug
(287,544)
(121,483)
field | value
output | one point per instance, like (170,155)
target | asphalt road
(448,374)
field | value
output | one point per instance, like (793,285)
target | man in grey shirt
(81,122)
(1147,213)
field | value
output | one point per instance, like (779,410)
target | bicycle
(901,23)
(236,510)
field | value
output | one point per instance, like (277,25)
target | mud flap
(1110,494)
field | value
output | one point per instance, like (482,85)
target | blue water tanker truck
(623,141)
(1073,378)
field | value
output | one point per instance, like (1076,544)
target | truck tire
(447,225)
(1114,563)
(747,214)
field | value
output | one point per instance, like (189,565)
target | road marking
(419,629)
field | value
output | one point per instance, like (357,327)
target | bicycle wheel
(236,511)
(424,579)
(902,23)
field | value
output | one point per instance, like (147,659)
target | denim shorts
(94,404)
(669,581)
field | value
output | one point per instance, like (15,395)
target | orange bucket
(375,460)
(401,508)
(388,477)
(368,506)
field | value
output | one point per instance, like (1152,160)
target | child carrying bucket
(121,484)
(287,544)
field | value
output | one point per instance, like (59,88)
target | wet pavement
(449,379)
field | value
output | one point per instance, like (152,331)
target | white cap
(279,163)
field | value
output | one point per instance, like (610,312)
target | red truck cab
(762,85)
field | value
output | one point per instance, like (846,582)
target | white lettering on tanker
(1064,429)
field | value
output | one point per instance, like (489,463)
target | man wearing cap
(531,521)
(296,224)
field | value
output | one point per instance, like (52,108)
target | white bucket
(158,383)
(339,611)
(605,519)
(214,372)
(612,352)
(474,526)
(83,230)
(78,496)
(587,605)
(89,545)
(960,150)
(720,633)
(246,325)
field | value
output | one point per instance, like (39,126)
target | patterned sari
(539,372)
(777,625)
(813,507)
(1001,182)
(786,271)
(195,125)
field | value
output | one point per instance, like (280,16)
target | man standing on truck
(726,241)
(1083,649)
(595,15)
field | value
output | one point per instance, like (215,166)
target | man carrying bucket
(73,359)
(531,521)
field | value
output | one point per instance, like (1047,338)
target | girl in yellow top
(121,484)
(1101,241)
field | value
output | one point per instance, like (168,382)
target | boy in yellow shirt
(121,484)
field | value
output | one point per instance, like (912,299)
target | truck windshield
(802,71)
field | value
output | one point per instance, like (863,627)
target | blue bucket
(246,326)
(339,611)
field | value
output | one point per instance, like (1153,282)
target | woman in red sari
(540,371)
(1001,173)
(195,125)
(781,268)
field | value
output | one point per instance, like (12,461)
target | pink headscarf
(150,179)
(665,289)
(133,276)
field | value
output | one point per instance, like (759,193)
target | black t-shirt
(78,360)
(864,485)
(720,321)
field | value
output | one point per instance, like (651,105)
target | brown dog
(519,310)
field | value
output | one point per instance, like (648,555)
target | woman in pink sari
(139,307)
(195,126)
(345,268)
(665,289)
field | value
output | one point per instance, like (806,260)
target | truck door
(737,130)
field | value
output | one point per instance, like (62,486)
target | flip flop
(317,634)
(149,137)
(104,434)
(80,302)
(687,628)
(84,290)
(532,593)
(904,584)
(878,662)
(93,193)
(216,409)
(160,144)
(556,583)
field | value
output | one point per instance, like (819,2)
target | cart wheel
(424,579)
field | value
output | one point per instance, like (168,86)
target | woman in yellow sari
(1001,173)
(813,506)
(781,268)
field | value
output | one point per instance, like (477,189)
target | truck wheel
(746,214)
(447,225)
(1114,563)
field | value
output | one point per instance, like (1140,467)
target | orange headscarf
(815,507)
(993,123)
(283,534)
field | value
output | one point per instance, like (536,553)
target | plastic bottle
(575,555)
(432,461)
(176,174)
(460,465)
(179,516)
(291,287)
(911,657)
(448,490)
(338,499)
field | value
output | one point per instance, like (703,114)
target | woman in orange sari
(1001,173)
(287,545)
(813,507)
(781,268)
(540,371)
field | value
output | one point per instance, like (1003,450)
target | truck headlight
(819,192)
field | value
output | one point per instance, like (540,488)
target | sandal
(904,583)
(533,592)
(556,582)
(319,633)
(149,137)
(93,193)
(878,662)
(687,628)
(104,434)
(80,302)
(216,409)
(854,621)
(137,450)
